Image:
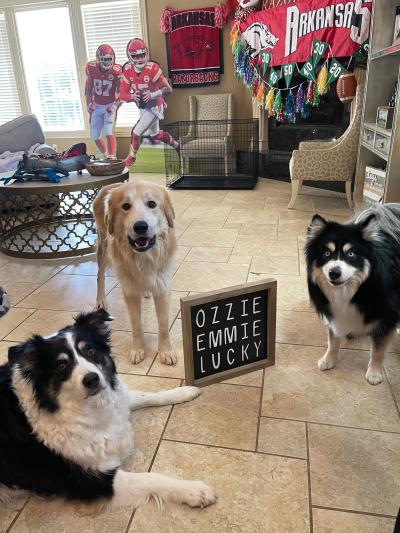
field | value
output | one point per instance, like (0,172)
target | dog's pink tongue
(142,241)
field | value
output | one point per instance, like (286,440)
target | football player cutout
(144,83)
(103,79)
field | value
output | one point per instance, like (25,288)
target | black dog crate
(213,154)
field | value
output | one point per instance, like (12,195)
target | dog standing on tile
(135,225)
(353,274)
(65,423)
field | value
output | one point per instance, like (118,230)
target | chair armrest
(317,145)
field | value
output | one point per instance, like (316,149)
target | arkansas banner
(287,32)
(194,47)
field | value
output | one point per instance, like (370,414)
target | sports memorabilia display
(144,83)
(305,37)
(103,78)
(194,45)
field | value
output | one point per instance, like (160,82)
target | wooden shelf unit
(383,71)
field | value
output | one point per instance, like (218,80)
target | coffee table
(44,220)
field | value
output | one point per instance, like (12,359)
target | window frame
(10,7)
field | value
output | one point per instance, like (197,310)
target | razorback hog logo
(193,46)
(258,37)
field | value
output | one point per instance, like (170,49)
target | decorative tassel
(310,92)
(255,86)
(260,94)
(300,98)
(278,107)
(234,36)
(269,102)
(316,97)
(305,110)
(289,108)
(166,20)
(219,17)
(248,75)
(322,80)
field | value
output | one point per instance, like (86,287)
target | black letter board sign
(229,332)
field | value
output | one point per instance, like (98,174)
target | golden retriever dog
(135,224)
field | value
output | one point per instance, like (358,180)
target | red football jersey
(146,80)
(103,85)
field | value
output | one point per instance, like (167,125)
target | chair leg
(296,184)
(349,195)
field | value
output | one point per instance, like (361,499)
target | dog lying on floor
(135,225)
(353,274)
(65,424)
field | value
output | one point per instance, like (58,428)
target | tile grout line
(152,460)
(332,425)
(351,511)
(260,409)
(13,522)
(162,434)
(34,309)
(310,508)
(391,391)
(242,450)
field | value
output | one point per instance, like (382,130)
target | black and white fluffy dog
(353,274)
(65,426)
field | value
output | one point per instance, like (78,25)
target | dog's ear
(316,225)
(94,320)
(168,209)
(109,213)
(25,355)
(368,227)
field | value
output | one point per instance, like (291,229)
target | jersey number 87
(102,87)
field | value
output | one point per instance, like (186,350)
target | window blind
(9,100)
(113,23)
(48,57)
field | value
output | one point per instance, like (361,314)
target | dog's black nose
(335,273)
(140,227)
(91,381)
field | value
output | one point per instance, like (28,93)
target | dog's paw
(374,377)
(187,394)
(325,363)
(137,355)
(198,494)
(167,357)
(101,304)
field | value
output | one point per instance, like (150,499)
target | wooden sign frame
(188,302)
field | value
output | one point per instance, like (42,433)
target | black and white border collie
(65,423)
(353,272)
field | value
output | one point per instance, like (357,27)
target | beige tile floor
(290,449)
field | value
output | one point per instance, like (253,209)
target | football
(346,87)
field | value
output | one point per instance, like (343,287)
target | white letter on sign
(197,318)
(257,347)
(215,307)
(216,366)
(215,338)
(227,356)
(256,326)
(244,307)
(244,352)
(229,312)
(255,304)
(198,341)
(292,28)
